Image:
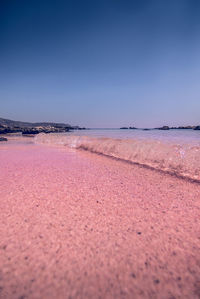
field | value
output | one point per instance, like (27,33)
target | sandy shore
(78,225)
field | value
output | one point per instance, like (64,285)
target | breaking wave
(181,160)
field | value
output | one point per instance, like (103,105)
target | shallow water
(175,136)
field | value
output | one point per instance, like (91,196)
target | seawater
(174,136)
(173,151)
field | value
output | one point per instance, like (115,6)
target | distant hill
(21,124)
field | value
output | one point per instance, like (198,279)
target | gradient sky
(103,63)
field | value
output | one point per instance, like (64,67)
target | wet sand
(79,225)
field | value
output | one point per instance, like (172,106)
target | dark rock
(67,129)
(185,128)
(82,128)
(6,130)
(197,128)
(132,128)
(49,129)
(31,131)
(124,128)
(3,139)
(182,128)
(163,128)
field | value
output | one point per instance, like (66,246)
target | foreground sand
(79,225)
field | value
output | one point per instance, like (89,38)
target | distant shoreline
(163,128)
(8,126)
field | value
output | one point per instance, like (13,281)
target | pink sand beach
(79,225)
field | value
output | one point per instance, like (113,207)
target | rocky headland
(10,126)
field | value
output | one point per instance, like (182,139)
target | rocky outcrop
(128,128)
(146,129)
(3,139)
(30,129)
(6,129)
(37,130)
(164,128)
(186,128)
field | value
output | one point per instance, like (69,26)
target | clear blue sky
(103,63)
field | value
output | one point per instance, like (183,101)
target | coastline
(79,224)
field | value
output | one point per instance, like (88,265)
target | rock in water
(31,131)
(164,128)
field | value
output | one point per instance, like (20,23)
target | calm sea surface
(173,136)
